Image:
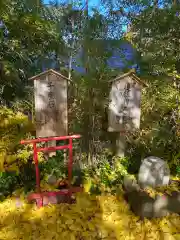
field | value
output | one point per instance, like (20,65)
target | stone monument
(50,98)
(124,108)
(153,172)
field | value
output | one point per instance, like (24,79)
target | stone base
(54,197)
(145,206)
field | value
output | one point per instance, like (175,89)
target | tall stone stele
(50,98)
(124,108)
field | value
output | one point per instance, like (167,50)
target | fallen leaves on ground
(92,217)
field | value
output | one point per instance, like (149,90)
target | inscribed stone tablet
(124,105)
(153,172)
(50,104)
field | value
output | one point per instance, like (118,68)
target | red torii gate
(39,196)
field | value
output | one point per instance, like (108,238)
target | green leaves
(8,182)
(157,37)
(27,37)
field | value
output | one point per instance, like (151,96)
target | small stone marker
(52,180)
(153,172)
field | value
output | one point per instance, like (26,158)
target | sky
(91,3)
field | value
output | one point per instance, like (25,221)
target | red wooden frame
(39,195)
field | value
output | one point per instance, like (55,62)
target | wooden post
(120,144)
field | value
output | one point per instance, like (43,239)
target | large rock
(153,172)
(130,184)
(167,204)
(141,204)
(145,206)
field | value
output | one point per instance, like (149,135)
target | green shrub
(27,176)
(8,183)
(14,126)
(106,177)
(178,170)
(53,166)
